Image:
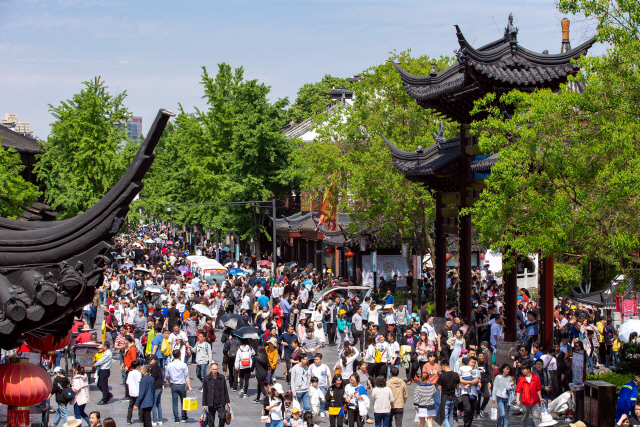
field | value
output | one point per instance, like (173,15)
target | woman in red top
(277,314)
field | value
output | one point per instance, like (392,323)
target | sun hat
(57,369)
(278,387)
(86,328)
(72,422)
(295,410)
(578,424)
(546,420)
(112,309)
(273,341)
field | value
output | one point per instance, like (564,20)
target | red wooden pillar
(545,301)
(510,280)
(440,264)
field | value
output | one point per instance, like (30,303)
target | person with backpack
(62,390)
(160,346)
(243,364)
(230,350)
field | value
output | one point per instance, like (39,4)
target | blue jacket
(146,393)
(628,396)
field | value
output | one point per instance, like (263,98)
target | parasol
(154,289)
(182,268)
(169,242)
(236,272)
(264,262)
(248,332)
(233,321)
(631,325)
(200,308)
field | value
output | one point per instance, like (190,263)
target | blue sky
(155,49)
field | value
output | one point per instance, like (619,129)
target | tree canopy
(15,193)
(232,151)
(82,159)
(350,154)
(567,182)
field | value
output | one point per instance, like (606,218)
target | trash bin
(577,399)
(600,400)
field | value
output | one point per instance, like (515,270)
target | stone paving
(246,413)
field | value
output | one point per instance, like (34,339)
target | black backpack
(233,348)
(66,392)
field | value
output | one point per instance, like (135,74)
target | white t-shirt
(496,330)
(390,318)
(384,351)
(315,395)
(322,372)
(133,382)
(553,365)
(394,349)
(115,285)
(181,335)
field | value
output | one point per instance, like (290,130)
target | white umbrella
(154,289)
(631,325)
(149,241)
(144,270)
(203,309)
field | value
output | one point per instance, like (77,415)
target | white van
(209,269)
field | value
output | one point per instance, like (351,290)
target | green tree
(567,180)
(565,278)
(350,153)
(82,159)
(313,96)
(232,151)
(15,193)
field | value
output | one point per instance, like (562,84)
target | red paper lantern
(22,384)
(331,250)
(47,346)
(349,254)
(448,256)
(481,256)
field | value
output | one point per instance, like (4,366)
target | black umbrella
(248,332)
(291,264)
(233,321)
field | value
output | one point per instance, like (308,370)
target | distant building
(134,126)
(11,121)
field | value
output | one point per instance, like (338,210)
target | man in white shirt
(177,334)
(119,312)
(429,329)
(321,371)
(246,302)
(114,285)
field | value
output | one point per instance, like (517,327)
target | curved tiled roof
(499,66)
(22,144)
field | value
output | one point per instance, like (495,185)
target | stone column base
(502,352)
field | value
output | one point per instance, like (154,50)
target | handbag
(228,415)
(204,418)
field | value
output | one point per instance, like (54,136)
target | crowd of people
(151,338)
